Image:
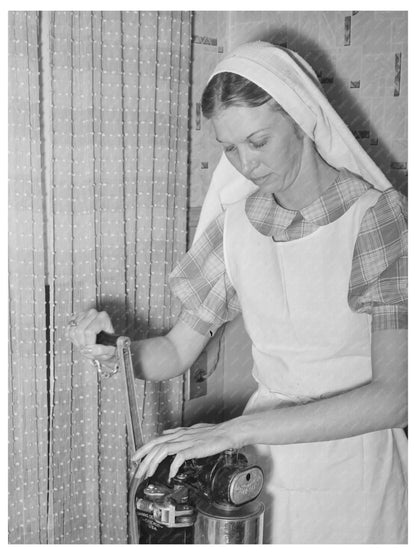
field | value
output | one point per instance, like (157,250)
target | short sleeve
(201,283)
(379,282)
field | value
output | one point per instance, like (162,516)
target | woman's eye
(259,145)
(230,148)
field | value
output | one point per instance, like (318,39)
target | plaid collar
(271,219)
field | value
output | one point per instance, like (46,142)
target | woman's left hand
(200,440)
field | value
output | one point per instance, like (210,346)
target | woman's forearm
(168,356)
(379,405)
(366,409)
(155,359)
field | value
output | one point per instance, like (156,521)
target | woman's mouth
(260,180)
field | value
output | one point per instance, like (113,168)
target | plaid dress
(378,281)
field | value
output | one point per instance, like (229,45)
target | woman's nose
(248,164)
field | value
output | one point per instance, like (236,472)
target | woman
(304,235)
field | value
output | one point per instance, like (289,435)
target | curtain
(28,397)
(115,125)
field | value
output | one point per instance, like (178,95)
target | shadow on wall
(341,98)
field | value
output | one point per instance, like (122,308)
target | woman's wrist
(238,431)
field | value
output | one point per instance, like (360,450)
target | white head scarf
(293,84)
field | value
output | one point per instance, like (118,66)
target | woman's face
(263,144)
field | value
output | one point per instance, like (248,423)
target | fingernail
(86,350)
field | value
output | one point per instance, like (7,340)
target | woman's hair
(230,89)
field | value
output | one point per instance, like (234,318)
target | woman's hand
(83,329)
(200,440)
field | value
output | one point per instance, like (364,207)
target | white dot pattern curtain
(107,188)
(28,397)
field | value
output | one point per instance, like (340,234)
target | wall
(207,49)
(361,59)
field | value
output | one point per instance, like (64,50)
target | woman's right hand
(83,329)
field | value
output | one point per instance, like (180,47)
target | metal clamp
(106,373)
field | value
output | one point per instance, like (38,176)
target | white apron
(307,344)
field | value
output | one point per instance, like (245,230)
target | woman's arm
(162,358)
(157,358)
(378,405)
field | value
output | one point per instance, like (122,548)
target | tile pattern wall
(361,60)
(209,33)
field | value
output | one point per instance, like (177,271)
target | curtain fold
(115,227)
(28,403)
